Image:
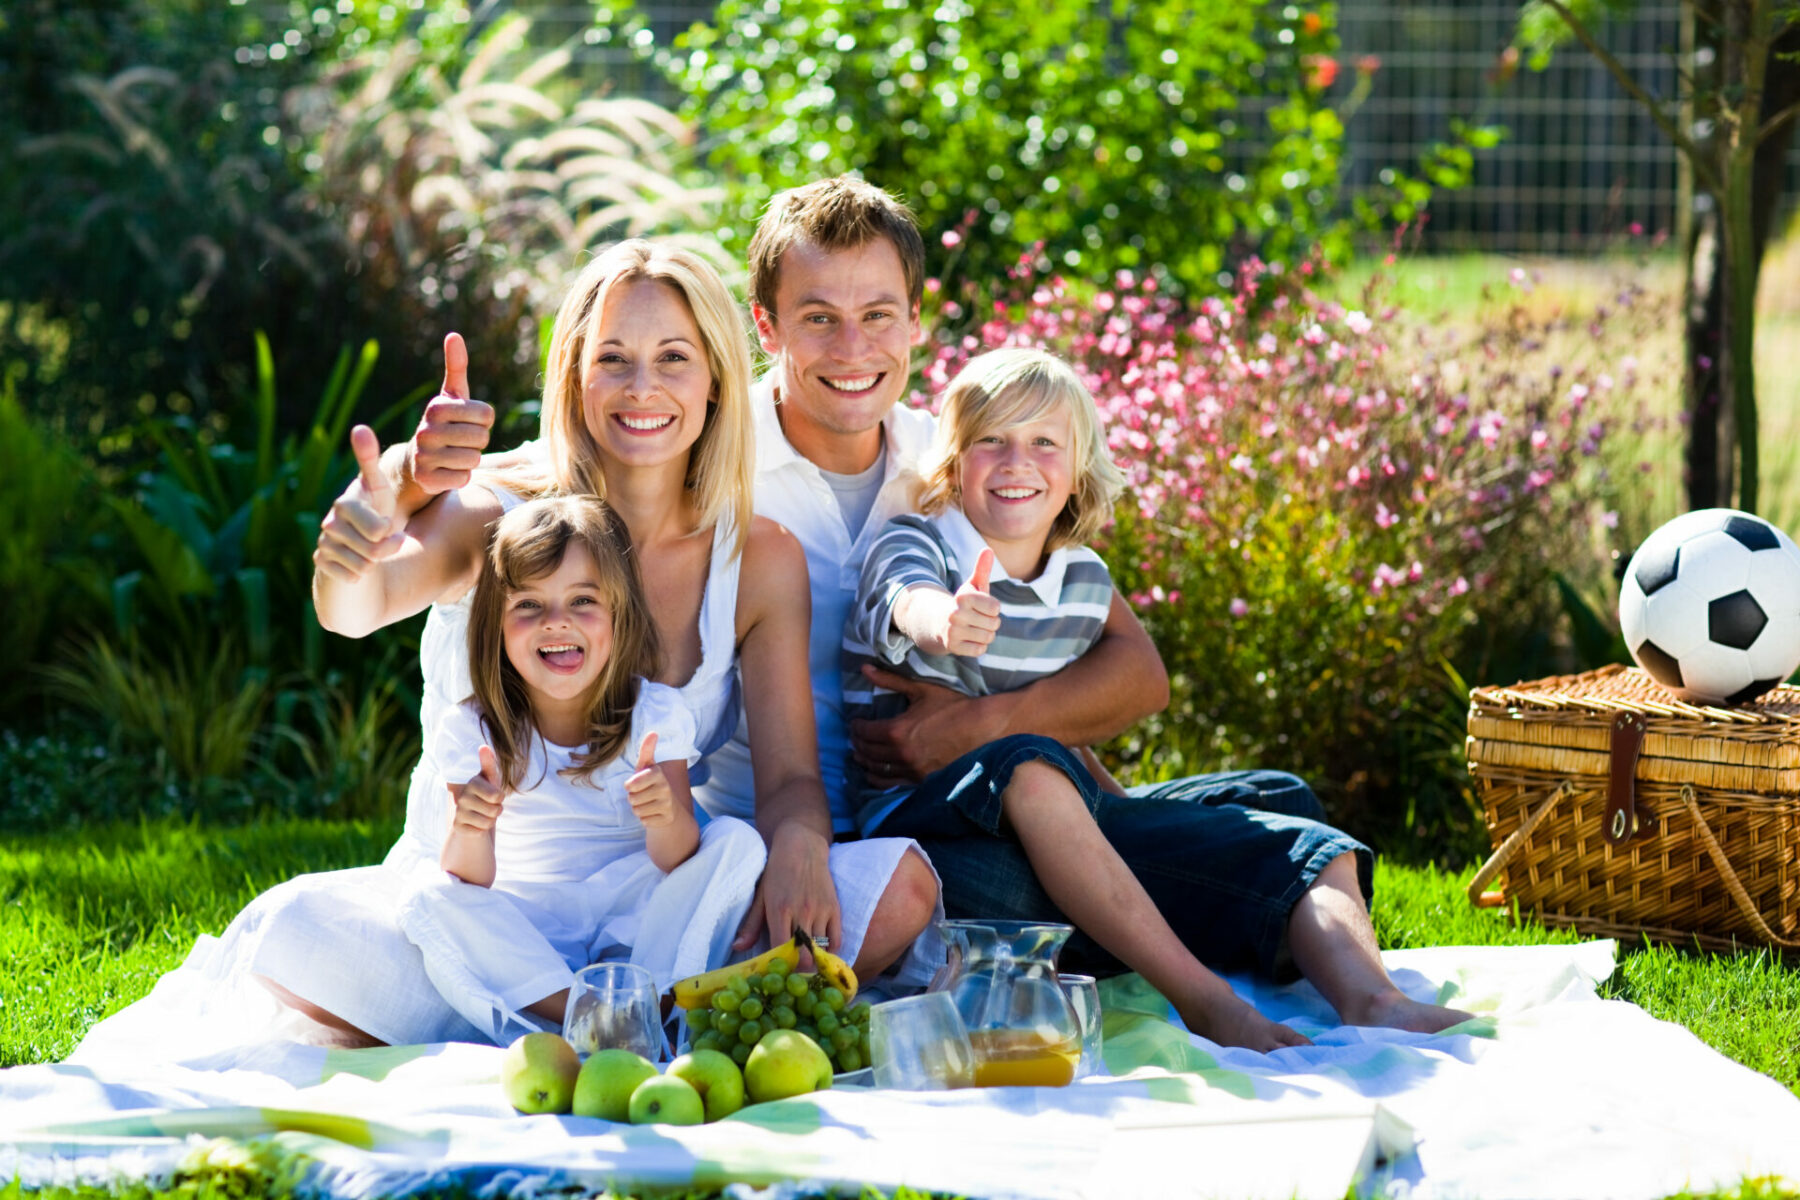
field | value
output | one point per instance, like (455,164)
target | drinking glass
(1084,998)
(919,1044)
(614,1006)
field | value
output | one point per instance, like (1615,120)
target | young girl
(991,588)
(573,837)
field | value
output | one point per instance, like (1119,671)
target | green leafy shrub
(197,717)
(48,573)
(207,667)
(220,538)
(1167,136)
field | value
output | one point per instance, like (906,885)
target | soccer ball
(1710,606)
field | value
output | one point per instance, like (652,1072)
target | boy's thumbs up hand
(984,567)
(479,801)
(362,527)
(976,618)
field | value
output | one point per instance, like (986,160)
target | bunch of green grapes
(750,1006)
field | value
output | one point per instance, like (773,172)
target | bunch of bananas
(697,991)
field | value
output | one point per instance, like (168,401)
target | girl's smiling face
(1015,482)
(558,633)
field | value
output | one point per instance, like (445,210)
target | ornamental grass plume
(1327,507)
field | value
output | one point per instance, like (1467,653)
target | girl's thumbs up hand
(652,799)
(976,618)
(478,802)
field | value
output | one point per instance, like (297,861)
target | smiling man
(837,274)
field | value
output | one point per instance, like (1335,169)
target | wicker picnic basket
(1616,808)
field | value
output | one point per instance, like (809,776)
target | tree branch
(1773,124)
(1702,167)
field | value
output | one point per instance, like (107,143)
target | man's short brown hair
(841,213)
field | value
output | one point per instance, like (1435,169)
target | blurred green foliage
(156,208)
(1172,137)
(192,172)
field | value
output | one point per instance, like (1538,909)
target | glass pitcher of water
(1002,977)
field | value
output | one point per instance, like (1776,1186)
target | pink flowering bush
(1325,511)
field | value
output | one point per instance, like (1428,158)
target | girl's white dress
(574,883)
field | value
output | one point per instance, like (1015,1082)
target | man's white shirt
(792,490)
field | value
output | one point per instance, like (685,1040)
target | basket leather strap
(1618,820)
(1496,863)
(1729,876)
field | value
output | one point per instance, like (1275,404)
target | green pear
(785,1063)
(538,1073)
(715,1077)
(607,1079)
(666,1100)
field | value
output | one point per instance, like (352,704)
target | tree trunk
(1713,414)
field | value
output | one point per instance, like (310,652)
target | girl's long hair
(1011,387)
(529,543)
(721,462)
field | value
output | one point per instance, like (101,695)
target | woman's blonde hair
(529,543)
(721,463)
(1003,388)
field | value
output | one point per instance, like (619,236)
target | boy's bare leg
(1334,946)
(1088,880)
(901,914)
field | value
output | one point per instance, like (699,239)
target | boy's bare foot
(1239,1024)
(1395,1010)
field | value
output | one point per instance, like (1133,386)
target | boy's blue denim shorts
(1225,857)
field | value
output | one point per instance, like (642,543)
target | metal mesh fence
(1581,162)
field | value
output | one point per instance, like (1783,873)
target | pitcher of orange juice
(1002,976)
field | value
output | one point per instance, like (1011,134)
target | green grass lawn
(88,921)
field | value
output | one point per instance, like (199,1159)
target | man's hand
(363,526)
(795,889)
(447,446)
(937,728)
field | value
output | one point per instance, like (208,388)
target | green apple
(785,1063)
(607,1079)
(538,1073)
(715,1077)
(666,1100)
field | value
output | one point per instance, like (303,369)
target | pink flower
(1238,607)
(1358,322)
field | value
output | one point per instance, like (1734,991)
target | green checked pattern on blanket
(1464,1113)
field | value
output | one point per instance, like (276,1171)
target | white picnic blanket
(1552,1092)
